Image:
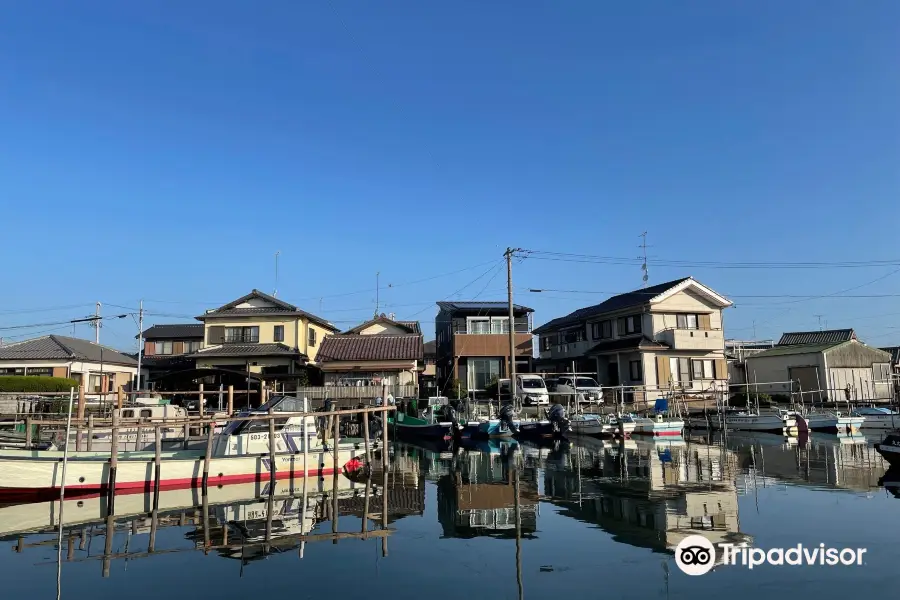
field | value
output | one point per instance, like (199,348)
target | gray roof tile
(371,347)
(816,337)
(175,331)
(58,347)
(464,305)
(238,350)
(280,307)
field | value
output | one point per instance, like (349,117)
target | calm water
(595,519)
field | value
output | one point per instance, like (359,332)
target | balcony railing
(482,330)
(242,339)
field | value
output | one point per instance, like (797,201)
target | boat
(589,424)
(437,420)
(831,422)
(778,421)
(240,454)
(618,425)
(889,449)
(485,429)
(655,427)
(554,426)
(877,417)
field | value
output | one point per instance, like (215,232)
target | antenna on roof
(377,276)
(275,292)
(643,246)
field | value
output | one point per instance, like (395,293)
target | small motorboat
(877,417)
(889,449)
(437,420)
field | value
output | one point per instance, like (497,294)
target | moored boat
(831,422)
(657,427)
(889,449)
(877,417)
(240,454)
(436,421)
(588,424)
(777,421)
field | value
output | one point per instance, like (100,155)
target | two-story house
(167,348)
(379,352)
(661,337)
(263,335)
(473,343)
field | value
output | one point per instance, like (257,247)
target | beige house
(99,368)
(667,336)
(261,334)
(379,352)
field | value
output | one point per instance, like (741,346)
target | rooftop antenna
(643,246)
(275,293)
(96,324)
(377,276)
(820,321)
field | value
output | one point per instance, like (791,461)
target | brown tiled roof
(371,347)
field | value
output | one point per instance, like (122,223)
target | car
(586,388)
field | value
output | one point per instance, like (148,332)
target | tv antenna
(275,293)
(643,246)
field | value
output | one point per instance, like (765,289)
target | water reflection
(645,495)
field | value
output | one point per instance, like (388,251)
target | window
(634,369)
(191,347)
(279,333)
(127,414)
(575,335)
(605,329)
(311,337)
(164,347)
(546,342)
(12,371)
(703,369)
(881,371)
(487,325)
(629,325)
(242,335)
(481,371)
(683,321)
(146,413)
(681,370)
(595,331)
(39,371)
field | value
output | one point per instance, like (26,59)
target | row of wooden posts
(334,416)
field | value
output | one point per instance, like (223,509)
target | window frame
(686,323)
(634,366)
(311,338)
(278,333)
(249,334)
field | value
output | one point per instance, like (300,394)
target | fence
(356,392)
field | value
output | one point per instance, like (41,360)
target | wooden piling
(137,438)
(90,432)
(154,515)
(113,461)
(28,439)
(187,433)
(335,470)
(384,494)
(70,550)
(207,457)
(272,449)
(200,398)
(384,439)
(365,419)
(365,514)
(262,392)
(120,397)
(107,548)
(230,400)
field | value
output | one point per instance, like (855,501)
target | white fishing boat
(831,422)
(240,454)
(778,421)
(134,437)
(656,427)
(618,425)
(877,417)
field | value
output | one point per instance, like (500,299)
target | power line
(588,258)
(47,309)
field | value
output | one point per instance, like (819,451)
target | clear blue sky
(167,150)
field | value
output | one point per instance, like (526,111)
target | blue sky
(167,150)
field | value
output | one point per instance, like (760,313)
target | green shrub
(740,400)
(35,385)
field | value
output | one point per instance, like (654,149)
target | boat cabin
(292,434)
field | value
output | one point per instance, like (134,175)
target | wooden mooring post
(208,456)
(230,400)
(113,461)
(90,432)
(154,515)
(28,439)
(79,429)
(335,467)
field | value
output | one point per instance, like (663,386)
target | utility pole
(140,345)
(95,323)
(512,321)
(275,293)
(820,321)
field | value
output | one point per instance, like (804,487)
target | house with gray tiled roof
(660,337)
(100,369)
(380,351)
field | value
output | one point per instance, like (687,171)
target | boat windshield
(281,404)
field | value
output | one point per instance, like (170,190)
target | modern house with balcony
(667,336)
(472,343)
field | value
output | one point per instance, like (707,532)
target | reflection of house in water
(848,462)
(477,498)
(649,494)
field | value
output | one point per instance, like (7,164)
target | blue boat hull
(486,430)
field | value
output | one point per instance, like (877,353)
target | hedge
(35,384)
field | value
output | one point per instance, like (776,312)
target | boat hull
(833,423)
(889,449)
(537,430)
(39,476)
(652,428)
(764,423)
(883,422)
(588,425)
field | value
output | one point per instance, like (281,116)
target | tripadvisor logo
(696,555)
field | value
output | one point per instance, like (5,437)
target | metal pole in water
(62,496)
(305,469)
(334,485)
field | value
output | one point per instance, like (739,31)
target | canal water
(582,519)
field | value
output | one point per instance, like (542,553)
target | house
(894,351)
(473,343)
(167,348)
(660,337)
(428,377)
(260,335)
(823,368)
(377,353)
(99,368)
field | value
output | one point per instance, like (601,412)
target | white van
(531,389)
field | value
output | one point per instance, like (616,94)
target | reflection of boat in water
(889,449)
(891,481)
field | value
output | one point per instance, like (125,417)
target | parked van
(531,389)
